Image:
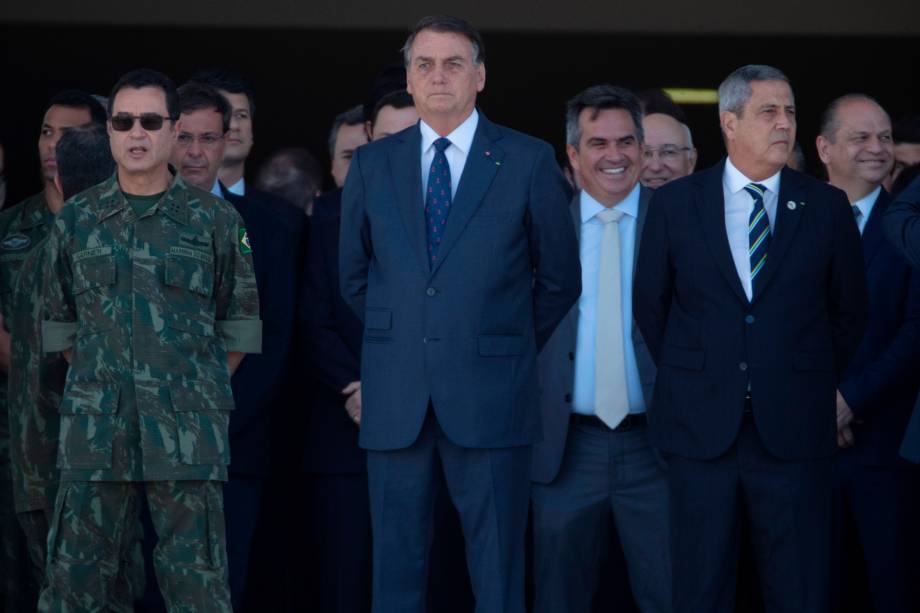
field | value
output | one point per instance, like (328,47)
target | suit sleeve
(331,360)
(355,247)
(902,223)
(848,295)
(553,246)
(653,286)
(896,364)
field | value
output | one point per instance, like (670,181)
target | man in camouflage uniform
(150,294)
(23,227)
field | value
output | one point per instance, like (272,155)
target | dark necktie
(437,199)
(758,232)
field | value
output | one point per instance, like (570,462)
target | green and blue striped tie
(758,232)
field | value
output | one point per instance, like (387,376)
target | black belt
(632,420)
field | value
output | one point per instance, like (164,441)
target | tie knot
(756,190)
(610,216)
(441,144)
(857,213)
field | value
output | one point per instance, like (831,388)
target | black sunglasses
(149,121)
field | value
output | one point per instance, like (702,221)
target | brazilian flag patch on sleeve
(245,247)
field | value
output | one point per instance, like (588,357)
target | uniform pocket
(87,429)
(189,269)
(93,268)
(202,411)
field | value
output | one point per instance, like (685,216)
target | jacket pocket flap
(90,398)
(682,357)
(200,396)
(378,319)
(501,344)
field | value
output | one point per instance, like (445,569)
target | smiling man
(669,152)
(448,362)
(151,296)
(596,378)
(751,294)
(876,491)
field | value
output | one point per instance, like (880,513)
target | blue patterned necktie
(437,199)
(758,232)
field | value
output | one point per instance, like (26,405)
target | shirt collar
(238,188)
(867,202)
(216,190)
(736,181)
(461,137)
(590,207)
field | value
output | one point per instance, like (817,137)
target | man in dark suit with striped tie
(751,294)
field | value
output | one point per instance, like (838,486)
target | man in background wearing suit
(259,383)
(751,294)
(458,289)
(596,379)
(876,492)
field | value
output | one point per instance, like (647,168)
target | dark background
(304,77)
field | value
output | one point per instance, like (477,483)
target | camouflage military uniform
(22,227)
(150,305)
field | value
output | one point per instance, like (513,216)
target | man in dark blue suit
(872,484)
(595,456)
(751,294)
(275,231)
(458,289)
(902,225)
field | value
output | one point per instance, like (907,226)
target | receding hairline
(684,128)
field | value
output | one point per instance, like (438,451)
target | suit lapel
(405,168)
(710,203)
(482,163)
(873,233)
(785,225)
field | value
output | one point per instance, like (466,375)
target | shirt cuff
(242,335)
(58,335)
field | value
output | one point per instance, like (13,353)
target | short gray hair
(445,23)
(735,90)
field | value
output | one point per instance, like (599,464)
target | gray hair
(352,117)
(601,98)
(445,23)
(735,90)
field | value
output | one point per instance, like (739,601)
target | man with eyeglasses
(152,299)
(669,152)
(23,227)
(258,385)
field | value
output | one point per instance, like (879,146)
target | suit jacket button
(743,365)
(431,291)
(425,340)
(749,319)
(568,397)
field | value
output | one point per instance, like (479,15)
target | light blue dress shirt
(865,205)
(216,189)
(461,139)
(238,188)
(592,232)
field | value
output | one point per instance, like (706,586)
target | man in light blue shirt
(596,377)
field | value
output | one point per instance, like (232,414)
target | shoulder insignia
(15,242)
(245,247)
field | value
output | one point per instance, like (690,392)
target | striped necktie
(758,232)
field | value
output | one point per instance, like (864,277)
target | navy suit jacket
(464,332)
(882,381)
(902,224)
(333,341)
(258,385)
(790,343)
(557,368)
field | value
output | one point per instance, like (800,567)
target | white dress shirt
(865,206)
(592,231)
(738,207)
(461,139)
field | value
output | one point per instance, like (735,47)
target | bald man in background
(669,152)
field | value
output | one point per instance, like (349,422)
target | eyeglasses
(208,139)
(149,121)
(665,154)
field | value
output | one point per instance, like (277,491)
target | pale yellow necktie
(611,401)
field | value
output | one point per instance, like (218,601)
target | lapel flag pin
(790,205)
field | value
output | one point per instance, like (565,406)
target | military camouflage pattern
(22,226)
(18,587)
(150,306)
(34,526)
(90,536)
(36,382)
